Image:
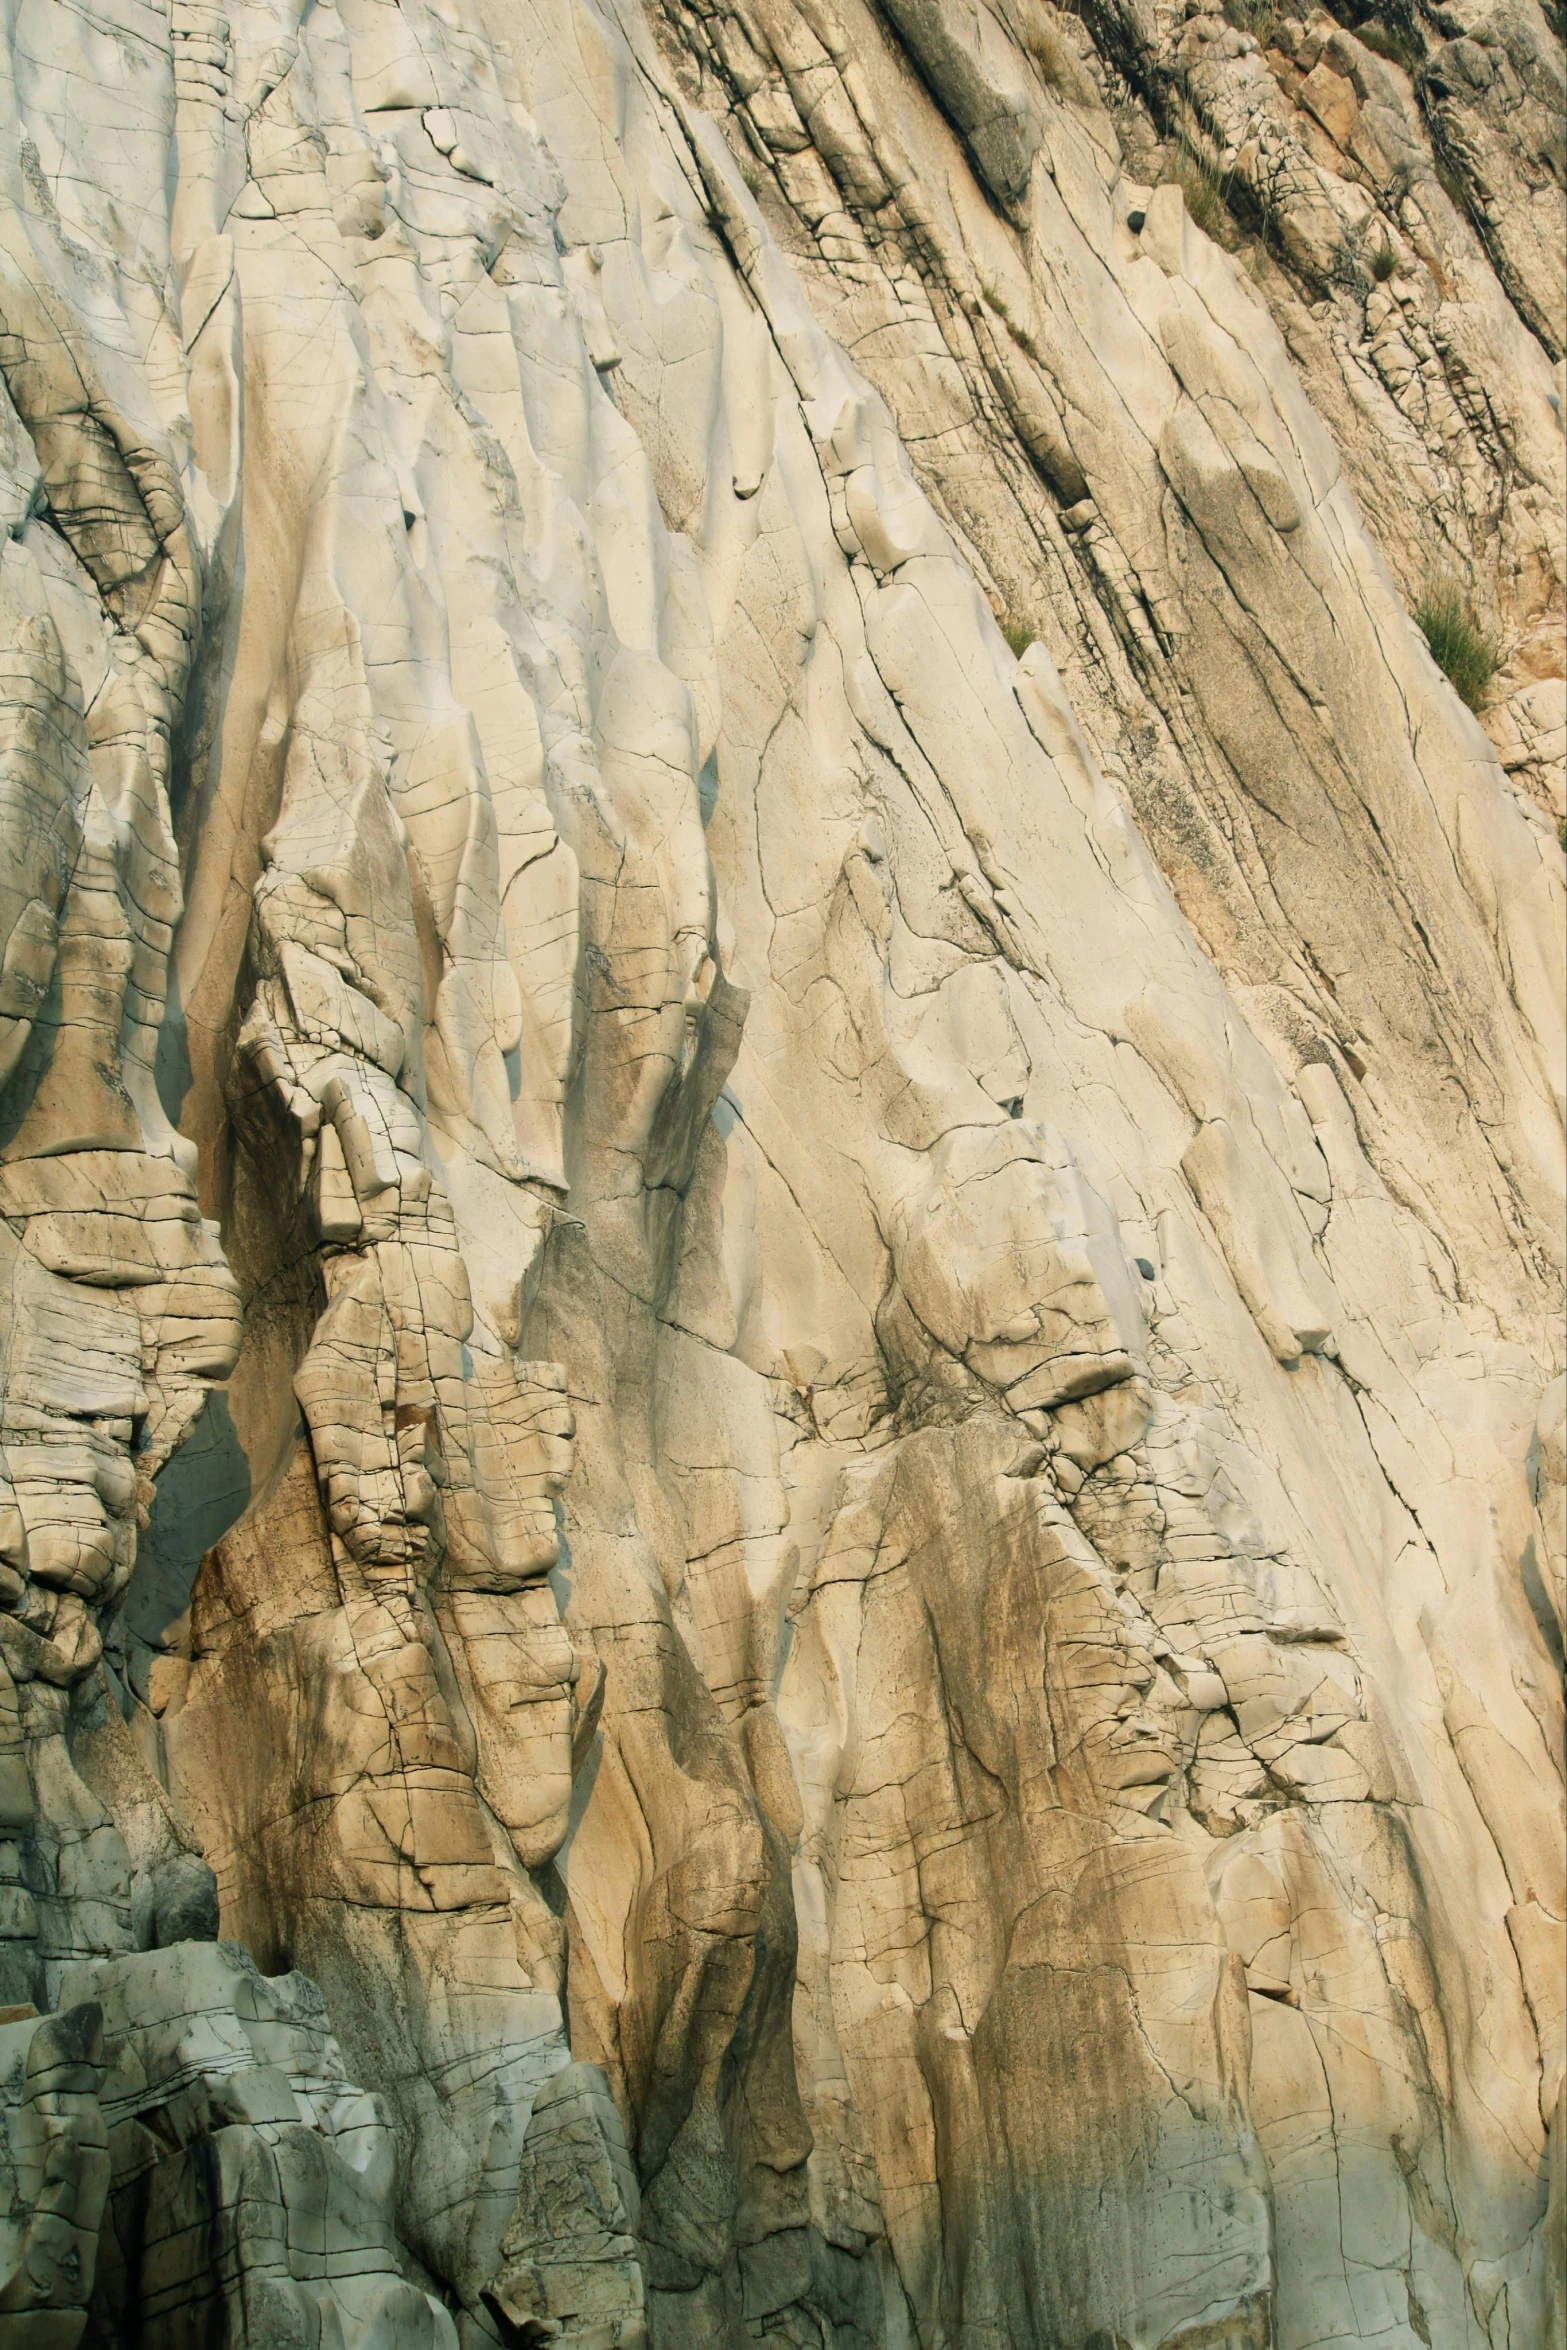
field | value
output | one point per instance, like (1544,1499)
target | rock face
(781,1176)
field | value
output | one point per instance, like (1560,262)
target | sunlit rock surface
(781,1176)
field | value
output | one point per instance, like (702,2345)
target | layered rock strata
(781,1171)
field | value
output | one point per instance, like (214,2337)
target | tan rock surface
(781,1176)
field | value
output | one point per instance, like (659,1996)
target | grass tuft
(1019,636)
(1383,262)
(1469,653)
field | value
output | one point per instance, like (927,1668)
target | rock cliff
(781,1175)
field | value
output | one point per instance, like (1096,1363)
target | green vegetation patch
(1469,653)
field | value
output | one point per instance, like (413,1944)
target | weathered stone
(780,1178)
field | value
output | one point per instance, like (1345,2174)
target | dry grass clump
(1049,53)
(1468,652)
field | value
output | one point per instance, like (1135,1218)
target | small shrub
(1257,17)
(1383,262)
(1468,653)
(1394,41)
(1203,188)
(1019,637)
(1452,188)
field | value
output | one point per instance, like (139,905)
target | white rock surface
(781,1177)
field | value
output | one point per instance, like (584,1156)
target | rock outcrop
(781,1175)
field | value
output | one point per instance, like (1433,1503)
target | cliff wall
(781,1175)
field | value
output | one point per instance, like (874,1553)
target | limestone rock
(781,1176)
(249,2183)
